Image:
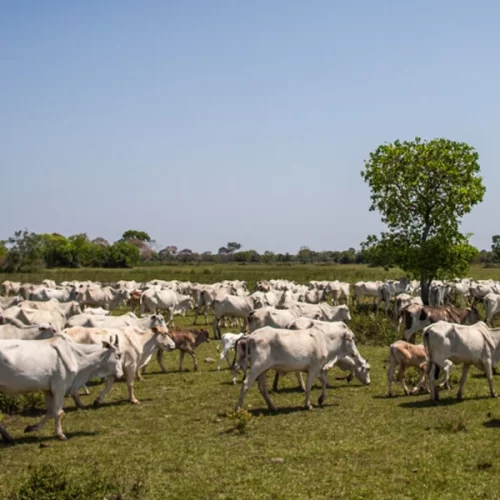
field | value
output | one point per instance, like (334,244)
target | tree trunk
(424,290)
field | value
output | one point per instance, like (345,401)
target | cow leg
(77,400)
(446,382)
(324,383)
(221,357)
(401,378)
(193,355)
(263,390)
(227,358)
(109,383)
(5,435)
(181,360)
(246,384)
(47,416)
(300,380)
(390,376)
(432,376)
(310,379)
(465,371)
(129,377)
(159,359)
(489,375)
(276,381)
(58,413)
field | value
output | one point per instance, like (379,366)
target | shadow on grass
(32,438)
(266,412)
(450,401)
(493,423)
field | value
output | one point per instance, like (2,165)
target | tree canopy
(422,189)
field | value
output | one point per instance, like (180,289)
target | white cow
(469,345)
(55,366)
(106,297)
(67,309)
(129,319)
(35,317)
(97,311)
(390,289)
(155,300)
(8,287)
(6,302)
(227,342)
(339,291)
(38,332)
(231,306)
(491,303)
(269,316)
(367,289)
(298,350)
(137,345)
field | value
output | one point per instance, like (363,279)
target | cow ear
(106,345)
(116,341)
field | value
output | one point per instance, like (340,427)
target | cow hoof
(309,407)
(321,400)
(493,395)
(390,395)
(96,403)
(460,397)
(29,428)
(62,437)
(134,401)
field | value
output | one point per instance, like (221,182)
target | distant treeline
(27,251)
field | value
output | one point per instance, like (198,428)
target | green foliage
(21,403)
(422,189)
(121,254)
(136,235)
(25,252)
(495,247)
(243,420)
(47,482)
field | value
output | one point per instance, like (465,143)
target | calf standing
(186,341)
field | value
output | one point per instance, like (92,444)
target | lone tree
(422,190)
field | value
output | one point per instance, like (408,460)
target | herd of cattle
(56,337)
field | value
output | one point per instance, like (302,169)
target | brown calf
(186,341)
(405,355)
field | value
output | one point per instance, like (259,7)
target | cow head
(362,371)
(46,331)
(114,361)
(158,320)
(163,339)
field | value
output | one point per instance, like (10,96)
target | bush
(19,404)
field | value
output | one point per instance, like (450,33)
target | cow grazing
(402,354)
(467,345)
(417,317)
(55,366)
(299,350)
(185,341)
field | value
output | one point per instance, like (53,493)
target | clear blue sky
(207,121)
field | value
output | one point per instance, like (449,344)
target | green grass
(181,443)
(218,272)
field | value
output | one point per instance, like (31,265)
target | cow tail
(236,351)
(430,364)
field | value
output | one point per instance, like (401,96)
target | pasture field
(183,441)
(204,273)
